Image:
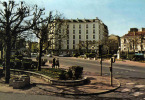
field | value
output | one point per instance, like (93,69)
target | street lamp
(118,53)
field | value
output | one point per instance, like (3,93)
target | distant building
(79,30)
(133,41)
(114,45)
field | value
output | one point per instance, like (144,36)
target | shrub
(76,55)
(17,63)
(34,64)
(91,55)
(76,71)
(63,75)
(70,74)
(138,58)
(26,63)
(1,61)
(20,57)
(131,56)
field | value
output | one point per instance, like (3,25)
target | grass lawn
(51,72)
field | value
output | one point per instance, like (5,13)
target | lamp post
(118,53)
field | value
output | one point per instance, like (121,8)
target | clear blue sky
(118,15)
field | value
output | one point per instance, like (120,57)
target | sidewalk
(98,85)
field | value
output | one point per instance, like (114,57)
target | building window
(67,31)
(80,26)
(86,36)
(124,40)
(99,36)
(73,41)
(73,36)
(73,26)
(86,31)
(67,26)
(67,46)
(67,41)
(59,30)
(79,36)
(68,36)
(79,31)
(73,46)
(93,36)
(86,25)
(93,25)
(73,31)
(94,31)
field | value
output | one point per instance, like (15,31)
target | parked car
(64,55)
(49,55)
(34,54)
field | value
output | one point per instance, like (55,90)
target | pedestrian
(53,64)
(57,63)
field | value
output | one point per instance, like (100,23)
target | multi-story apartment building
(78,30)
(133,41)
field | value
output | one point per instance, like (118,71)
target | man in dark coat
(53,66)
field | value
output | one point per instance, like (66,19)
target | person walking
(53,64)
(57,63)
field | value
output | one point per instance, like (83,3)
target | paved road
(119,70)
(14,96)
(131,76)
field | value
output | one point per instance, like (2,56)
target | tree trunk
(40,55)
(7,61)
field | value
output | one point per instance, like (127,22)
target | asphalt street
(15,96)
(131,77)
(119,70)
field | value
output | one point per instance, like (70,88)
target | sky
(118,15)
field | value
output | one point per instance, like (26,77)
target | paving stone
(137,94)
(130,83)
(139,86)
(126,90)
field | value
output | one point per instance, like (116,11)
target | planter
(18,84)
(11,81)
(26,79)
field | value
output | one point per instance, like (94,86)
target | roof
(135,33)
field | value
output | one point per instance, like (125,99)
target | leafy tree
(16,19)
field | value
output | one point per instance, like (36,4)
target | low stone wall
(53,81)
(18,82)
(69,82)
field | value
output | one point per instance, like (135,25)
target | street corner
(97,85)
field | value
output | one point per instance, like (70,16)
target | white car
(49,55)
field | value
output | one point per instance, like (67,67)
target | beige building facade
(78,30)
(134,41)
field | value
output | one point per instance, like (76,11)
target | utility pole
(112,60)
(100,54)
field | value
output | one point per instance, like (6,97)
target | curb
(105,91)
(85,94)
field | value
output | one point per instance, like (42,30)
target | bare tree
(86,44)
(15,19)
(46,32)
